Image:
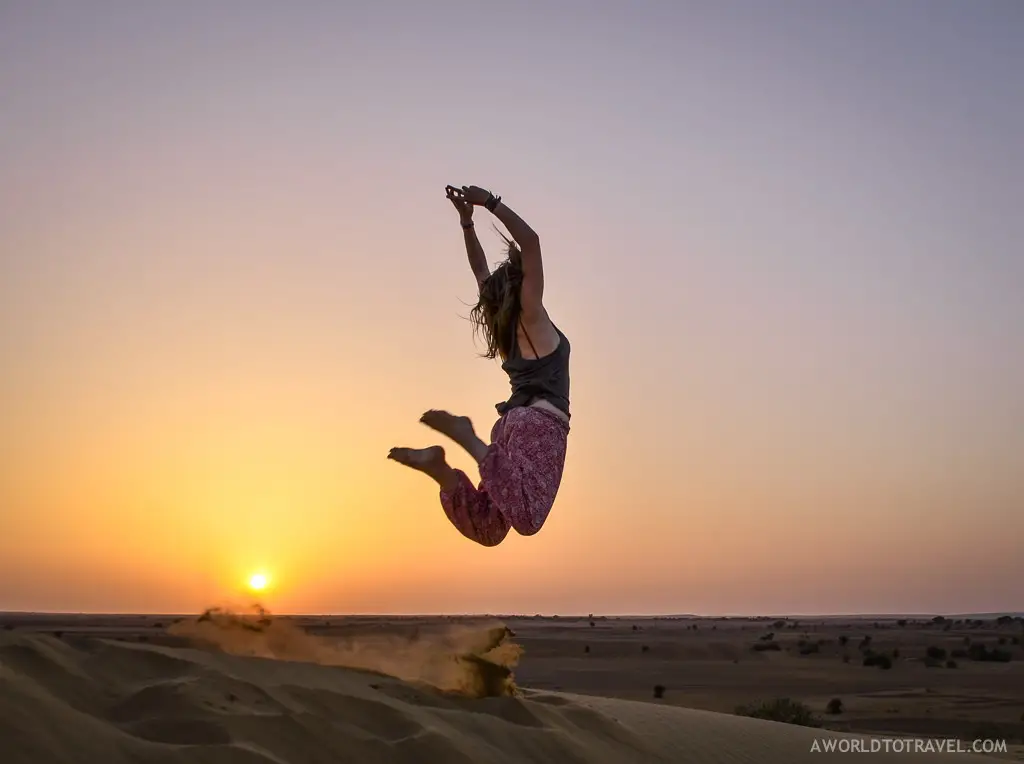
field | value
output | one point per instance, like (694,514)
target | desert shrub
(586,648)
(881,660)
(1003,620)
(938,619)
(843,640)
(58,634)
(760,647)
(901,622)
(958,653)
(634,627)
(951,663)
(158,625)
(659,691)
(591,624)
(896,653)
(979,652)
(809,648)
(767,637)
(865,642)
(932,663)
(835,706)
(781,710)
(780,624)
(936,653)
(644,648)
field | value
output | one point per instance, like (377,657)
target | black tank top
(532,378)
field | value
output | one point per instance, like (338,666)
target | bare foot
(429,461)
(458,428)
(422,459)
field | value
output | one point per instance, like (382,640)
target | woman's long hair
(496,313)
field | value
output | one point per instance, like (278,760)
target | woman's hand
(465,208)
(475,194)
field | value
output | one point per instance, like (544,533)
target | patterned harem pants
(519,478)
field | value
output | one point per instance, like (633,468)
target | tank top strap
(535,353)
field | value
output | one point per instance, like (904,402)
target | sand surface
(87,697)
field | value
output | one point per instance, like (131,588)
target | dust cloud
(471,660)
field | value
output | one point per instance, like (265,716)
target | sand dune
(94,700)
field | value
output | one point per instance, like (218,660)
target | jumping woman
(521,468)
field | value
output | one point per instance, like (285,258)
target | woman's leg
(519,477)
(522,470)
(469,510)
(472,512)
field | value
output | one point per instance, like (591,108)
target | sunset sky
(785,239)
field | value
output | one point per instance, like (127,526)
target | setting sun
(258,582)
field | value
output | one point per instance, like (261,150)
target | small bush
(901,622)
(781,710)
(760,647)
(896,653)
(936,653)
(59,634)
(780,624)
(835,706)
(932,663)
(644,648)
(659,691)
(843,640)
(809,648)
(767,637)
(591,624)
(864,643)
(881,660)
(951,663)
(586,648)
(979,652)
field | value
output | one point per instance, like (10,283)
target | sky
(785,240)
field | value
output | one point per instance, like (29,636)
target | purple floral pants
(519,478)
